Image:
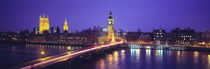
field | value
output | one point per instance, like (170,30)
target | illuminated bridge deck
(42,62)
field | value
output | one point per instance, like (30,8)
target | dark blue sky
(129,15)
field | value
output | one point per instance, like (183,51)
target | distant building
(120,33)
(70,38)
(184,36)
(8,36)
(146,37)
(111,37)
(159,36)
(65,27)
(44,24)
(35,30)
(206,36)
(92,34)
(54,30)
(24,35)
(132,36)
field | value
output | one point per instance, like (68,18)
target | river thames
(151,59)
(117,59)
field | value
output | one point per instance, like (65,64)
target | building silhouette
(159,36)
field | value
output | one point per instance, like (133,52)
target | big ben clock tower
(111,37)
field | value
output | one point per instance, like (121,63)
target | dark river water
(151,59)
(12,54)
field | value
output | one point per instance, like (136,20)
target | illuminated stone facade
(111,37)
(44,24)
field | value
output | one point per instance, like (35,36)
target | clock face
(110,22)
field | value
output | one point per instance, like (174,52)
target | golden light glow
(178,53)
(43,59)
(196,53)
(64,59)
(122,51)
(68,52)
(42,52)
(69,48)
(203,43)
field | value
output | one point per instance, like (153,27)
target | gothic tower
(111,37)
(65,27)
(43,24)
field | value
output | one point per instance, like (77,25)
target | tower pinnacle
(65,21)
(110,15)
(65,27)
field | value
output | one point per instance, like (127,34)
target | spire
(65,21)
(65,27)
(110,15)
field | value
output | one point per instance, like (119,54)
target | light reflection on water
(110,59)
(115,57)
(208,59)
(148,53)
(153,59)
(135,53)
(196,55)
(159,55)
(123,55)
(178,56)
(102,64)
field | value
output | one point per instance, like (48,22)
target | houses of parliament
(44,25)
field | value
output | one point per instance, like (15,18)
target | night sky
(129,15)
